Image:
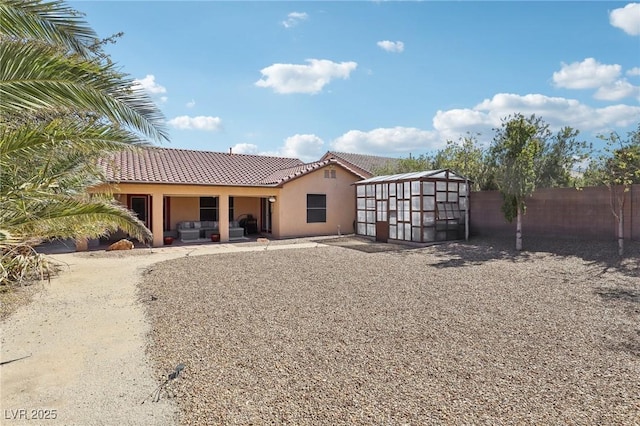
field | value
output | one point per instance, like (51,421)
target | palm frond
(52,22)
(36,137)
(34,77)
(70,217)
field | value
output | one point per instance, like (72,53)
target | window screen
(316,208)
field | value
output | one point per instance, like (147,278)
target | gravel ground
(448,334)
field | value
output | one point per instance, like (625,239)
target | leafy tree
(465,156)
(560,154)
(554,167)
(406,165)
(516,150)
(618,168)
(469,158)
(63,106)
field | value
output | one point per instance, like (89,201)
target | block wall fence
(559,212)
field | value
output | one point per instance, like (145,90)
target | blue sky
(297,79)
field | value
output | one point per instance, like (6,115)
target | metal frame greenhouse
(420,207)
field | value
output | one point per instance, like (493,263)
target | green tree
(618,168)
(406,165)
(560,155)
(516,150)
(64,105)
(469,158)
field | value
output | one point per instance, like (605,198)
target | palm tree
(64,105)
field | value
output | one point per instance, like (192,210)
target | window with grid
(208,208)
(316,208)
(448,211)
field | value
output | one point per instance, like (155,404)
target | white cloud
(388,141)
(294,18)
(149,85)
(556,111)
(587,74)
(305,147)
(184,122)
(454,123)
(626,18)
(391,46)
(164,99)
(191,104)
(590,74)
(311,78)
(633,72)
(245,148)
(620,89)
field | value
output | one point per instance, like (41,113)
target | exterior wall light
(272,199)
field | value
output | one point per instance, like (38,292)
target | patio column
(157,219)
(223,217)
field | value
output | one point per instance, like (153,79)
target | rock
(123,244)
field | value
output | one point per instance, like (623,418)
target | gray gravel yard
(458,333)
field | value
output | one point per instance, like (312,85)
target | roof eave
(242,185)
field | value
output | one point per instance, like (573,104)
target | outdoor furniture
(194,230)
(188,234)
(250,225)
(235,231)
(191,230)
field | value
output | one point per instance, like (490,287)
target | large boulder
(123,244)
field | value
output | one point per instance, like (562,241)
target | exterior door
(265,215)
(382,231)
(139,204)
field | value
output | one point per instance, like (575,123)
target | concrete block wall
(559,212)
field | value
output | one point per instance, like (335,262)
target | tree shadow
(366,245)
(601,256)
(457,254)
(627,299)
(615,280)
(619,293)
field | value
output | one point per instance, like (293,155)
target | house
(284,197)
(367,165)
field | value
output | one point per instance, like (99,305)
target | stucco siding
(245,205)
(291,206)
(185,203)
(183,209)
(289,212)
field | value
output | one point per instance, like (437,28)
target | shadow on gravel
(366,245)
(623,294)
(600,256)
(474,252)
(629,300)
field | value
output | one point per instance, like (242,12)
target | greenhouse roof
(430,174)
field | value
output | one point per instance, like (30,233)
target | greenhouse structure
(420,207)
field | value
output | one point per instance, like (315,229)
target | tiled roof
(368,164)
(285,175)
(180,166)
(282,175)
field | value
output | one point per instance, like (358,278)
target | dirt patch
(13,297)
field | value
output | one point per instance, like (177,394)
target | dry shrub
(20,264)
